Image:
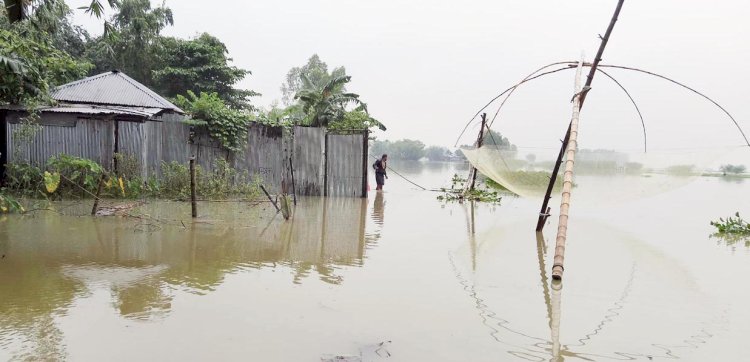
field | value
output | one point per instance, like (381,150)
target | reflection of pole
(555,323)
(562,227)
(473,240)
(541,251)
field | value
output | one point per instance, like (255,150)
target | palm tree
(327,104)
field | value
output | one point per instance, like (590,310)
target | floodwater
(397,276)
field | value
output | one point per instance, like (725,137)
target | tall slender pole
(562,226)
(193,204)
(589,79)
(473,172)
(294,190)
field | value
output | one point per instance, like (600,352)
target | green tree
(30,68)
(134,45)
(407,149)
(224,124)
(316,74)
(735,169)
(327,104)
(356,120)
(202,66)
(437,153)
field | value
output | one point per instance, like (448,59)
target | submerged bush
(10,205)
(68,176)
(224,181)
(480,192)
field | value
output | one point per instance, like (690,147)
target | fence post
(365,161)
(192,188)
(98,192)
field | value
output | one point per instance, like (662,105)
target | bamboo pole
(587,87)
(562,226)
(193,204)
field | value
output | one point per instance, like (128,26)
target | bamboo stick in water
(570,156)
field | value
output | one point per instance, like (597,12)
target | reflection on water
(443,282)
(49,260)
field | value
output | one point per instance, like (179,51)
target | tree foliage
(224,124)
(438,153)
(327,104)
(202,66)
(30,68)
(356,120)
(733,169)
(133,45)
(404,149)
(316,73)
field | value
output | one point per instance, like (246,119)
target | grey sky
(425,66)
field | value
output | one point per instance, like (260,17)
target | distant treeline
(407,149)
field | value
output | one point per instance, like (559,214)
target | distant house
(97,117)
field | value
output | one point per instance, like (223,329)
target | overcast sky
(425,66)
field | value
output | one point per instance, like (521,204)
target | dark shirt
(380,167)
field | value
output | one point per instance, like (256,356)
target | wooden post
(473,171)
(562,226)
(193,203)
(544,212)
(98,192)
(270,198)
(294,190)
(365,162)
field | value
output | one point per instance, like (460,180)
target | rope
(402,176)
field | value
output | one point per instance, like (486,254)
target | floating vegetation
(732,230)
(457,193)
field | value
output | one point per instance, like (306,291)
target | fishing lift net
(620,157)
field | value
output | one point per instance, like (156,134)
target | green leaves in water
(732,229)
(480,193)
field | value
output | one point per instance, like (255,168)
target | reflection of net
(600,175)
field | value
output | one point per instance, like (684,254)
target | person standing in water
(380,174)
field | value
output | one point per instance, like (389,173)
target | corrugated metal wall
(309,160)
(324,165)
(131,142)
(264,156)
(206,151)
(345,165)
(175,142)
(61,133)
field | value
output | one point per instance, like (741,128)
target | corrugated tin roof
(113,89)
(83,109)
(145,112)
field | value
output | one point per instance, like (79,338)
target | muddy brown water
(644,280)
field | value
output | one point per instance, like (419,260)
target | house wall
(60,133)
